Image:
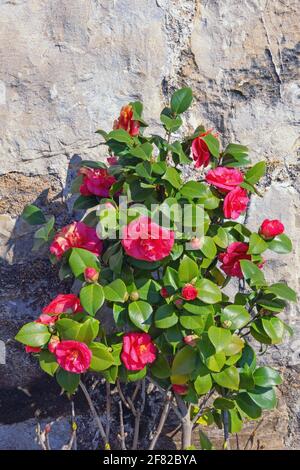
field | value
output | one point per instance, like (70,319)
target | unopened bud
(164,293)
(227,323)
(91,275)
(134,296)
(196,243)
(52,345)
(178,303)
(191,340)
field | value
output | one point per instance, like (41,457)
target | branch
(162,421)
(108,410)
(138,414)
(94,413)
(202,405)
(121,436)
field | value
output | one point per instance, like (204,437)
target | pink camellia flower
(189,292)
(235,203)
(190,340)
(180,389)
(63,303)
(271,228)
(53,343)
(196,243)
(76,235)
(32,349)
(126,121)
(224,178)
(96,181)
(138,351)
(147,241)
(164,293)
(73,356)
(230,260)
(91,275)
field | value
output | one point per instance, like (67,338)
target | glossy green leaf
(81,259)
(68,382)
(92,298)
(165,316)
(228,378)
(33,215)
(116,291)
(33,334)
(181,100)
(140,313)
(236,316)
(48,362)
(102,357)
(188,269)
(184,361)
(281,244)
(208,291)
(266,377)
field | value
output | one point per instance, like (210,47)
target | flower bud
(164,293)
(180,389)
(189,292)
(52,345)
(32,349)
(270,229)
(196,243)
(191,340)
(178,303)
(91,275)
(227,323)
(134,296)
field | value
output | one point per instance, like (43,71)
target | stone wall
(65,70)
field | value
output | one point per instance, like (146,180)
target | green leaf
(193,322)
(203,384)
(188,270)
(165,316)
(281,244)
(84,202)
(237,315)
(184,361)
(68,329)
(81,259)
(48,362)
(247,406)
(228,378)
(69,382)
(219,337)
(213,144)
(92,298)
(140,313)
(205,442)
(248,358)
(160,368)
(266,377)
(149,290)
(43,234)
(181,100)
(216,362)
(193,190)
(88,330)
(120,135)
(257,244)
(235,422)
(235,346)
(208,291)
(170,124)
(252,273)
(173,177)
(259,333)
(143,151)
(133,376)
(255,173)
(274,328)
(208,247)
(33,334)
(33,215)
(271,302)
(223,403)
(265,398)
(102,358)
(171,279)
(283,291)
(116,291)
(221,238)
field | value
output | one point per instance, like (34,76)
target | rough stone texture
(65,70)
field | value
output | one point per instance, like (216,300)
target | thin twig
(202,406)
(94,413)
(225,416)
(122,432)
(137,387)
(108,410)
(138,414)
(122,395)
(252,435)
(237,441)
(162,421)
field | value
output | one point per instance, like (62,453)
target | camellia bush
(181,279)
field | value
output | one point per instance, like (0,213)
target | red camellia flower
(224,178)
(63,303)
(138,351)
(96,181)
(270,228)
(180,389)
(32,349)
(73,356)
(230,260)
(127,122)
(200,151)
(235,203)
(112,160)
(76,235)
(189,292)
(147,241)
(91,275)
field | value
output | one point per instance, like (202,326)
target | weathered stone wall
(65,70)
